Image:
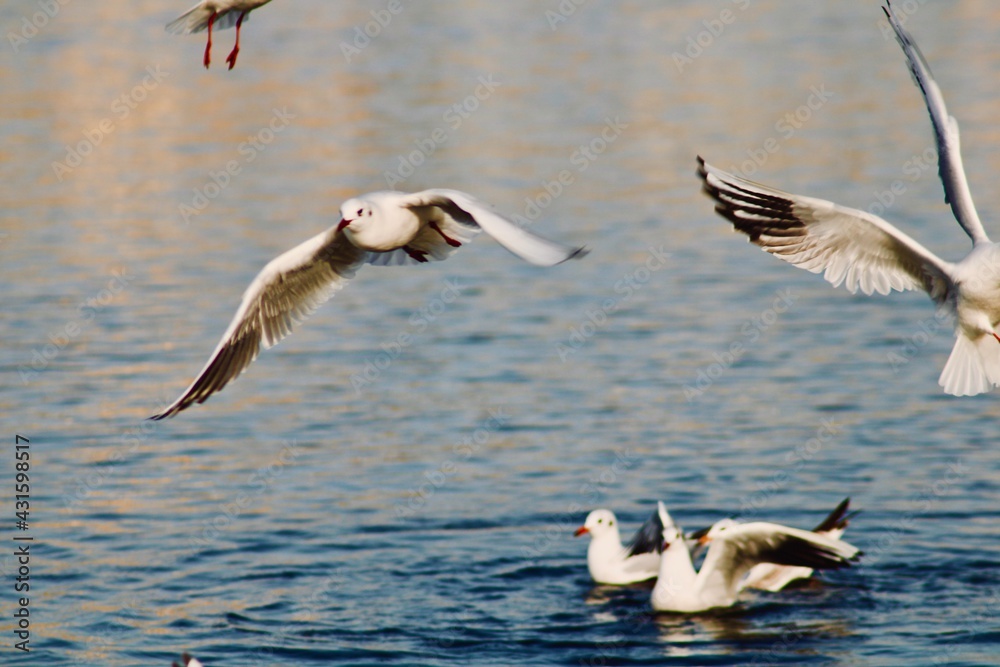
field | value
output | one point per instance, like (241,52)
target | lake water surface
(398,482)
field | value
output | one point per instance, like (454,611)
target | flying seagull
(862,251)
(381,228)
(217,14)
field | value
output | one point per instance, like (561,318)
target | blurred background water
(352,499)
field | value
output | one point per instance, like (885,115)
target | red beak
(342,224)
(580,531)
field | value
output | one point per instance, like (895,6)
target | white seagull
(380,228)
(772,577)
(188,661)
(863,251)
(217,14)
(611,562)
(731,554)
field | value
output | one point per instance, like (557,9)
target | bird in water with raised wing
(772,577)
(862,251)
(217,15)
(732,553)
(380,228)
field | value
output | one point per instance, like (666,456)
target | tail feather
(196,20)
(973,367)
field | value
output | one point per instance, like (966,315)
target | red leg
(231,58)
(418,255)
(450,241)
(996,336)
(208,47)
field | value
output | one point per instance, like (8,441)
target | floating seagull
(188,661)
(381,228)
(218,14)
(610,562)
(863,251)
(731,554)
(771,577)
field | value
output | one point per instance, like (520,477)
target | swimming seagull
(863,251)
(611,562)
(731,554)
(188,661)
(381,228)
(772,577)
(218,14)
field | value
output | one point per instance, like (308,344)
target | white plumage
(864,252)
(381,228)
(731,555)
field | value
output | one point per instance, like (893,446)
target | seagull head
(599,522)
(671,535)
(706,536)
(354,213)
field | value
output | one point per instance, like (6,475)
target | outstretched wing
(285,292)
(733,552)
(956,187)
(850,247)
(466,209)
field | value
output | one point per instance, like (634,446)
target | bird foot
(231,58)
(450,241)
(418,255)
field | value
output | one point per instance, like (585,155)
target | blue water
(425,515)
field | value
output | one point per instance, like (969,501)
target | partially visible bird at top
(218,15)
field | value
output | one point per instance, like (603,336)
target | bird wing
(956,187)
(852,247)
(196,20)
(739,548)
(285,292)
(469,210)
(648,539)
(835,523)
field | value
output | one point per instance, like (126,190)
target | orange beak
(580,531)
(704,539)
